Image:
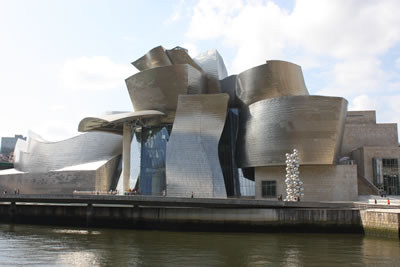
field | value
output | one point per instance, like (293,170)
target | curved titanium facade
(213,66)
(156,57)
(270,128)
(159,57)
(274,79)
(228,86)
(40,157)
(158,88)
(180,56)
(95,176)
(192,151)
(114,123)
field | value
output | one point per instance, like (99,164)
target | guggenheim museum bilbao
(195,131)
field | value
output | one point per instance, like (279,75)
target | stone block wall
(363,158)
(321,182)
(381,222)
(360,135)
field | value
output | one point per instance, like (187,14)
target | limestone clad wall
(359,135)
(321,182)
(361,117)
(363,158)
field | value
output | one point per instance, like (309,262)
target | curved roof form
(158,88)
(209,63)
(271,128)
(159,57)
(114,123)
(274,79)
(156,57)
(38,156)
(179,55)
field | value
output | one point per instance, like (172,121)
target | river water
(26,245)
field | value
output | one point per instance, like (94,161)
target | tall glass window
(150,152)
(390,170)
(386,175)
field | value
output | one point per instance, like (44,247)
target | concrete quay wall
(185,218)
(381,222)
(139,212)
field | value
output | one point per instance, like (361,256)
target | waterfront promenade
(141,200)
(157,201)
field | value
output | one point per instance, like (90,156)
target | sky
(61,61)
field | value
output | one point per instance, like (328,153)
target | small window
(268,189)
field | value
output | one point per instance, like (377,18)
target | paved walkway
(370,199)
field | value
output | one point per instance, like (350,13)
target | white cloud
(363,102)
(177,14)
(248,27)
(262,30)
(192,49)
(353,77)
(211,18)
(95,73)
(55,130)
(340,44)
(345,29)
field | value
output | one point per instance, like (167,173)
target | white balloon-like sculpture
(294,187)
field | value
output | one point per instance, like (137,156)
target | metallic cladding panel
(156,57)
(41,157)
(270,128)
(159,57)
(180,56)
(213,65)
(53,182)
(158,88)
(228,86)
(102,177)
(107,175)
(192,151)
(274,79)
(114,122)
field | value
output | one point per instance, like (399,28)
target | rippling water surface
(54,246)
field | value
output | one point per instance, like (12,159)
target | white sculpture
(294,187)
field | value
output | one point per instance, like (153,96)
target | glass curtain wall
(391,176)
(148,154)
(227,151)
(386,175)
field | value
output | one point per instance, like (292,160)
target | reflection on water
(75,232)
(50,246)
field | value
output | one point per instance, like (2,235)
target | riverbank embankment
(246,215)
